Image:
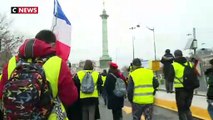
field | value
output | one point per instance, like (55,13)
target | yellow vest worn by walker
(95,75)
(179,70)
(52,75)
(143,86)
(103,79)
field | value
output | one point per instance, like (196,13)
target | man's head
(167,51)
(105,71)
(178,53)
(88,65)
(46,36)
(136,63)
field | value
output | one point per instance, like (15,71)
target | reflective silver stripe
(143,94)
(143,86)
(178,78)
(176,82)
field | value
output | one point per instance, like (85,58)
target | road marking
(171,105)
(128,110)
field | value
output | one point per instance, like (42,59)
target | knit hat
(167,51)
(113,65)
(178,53)
(136,62)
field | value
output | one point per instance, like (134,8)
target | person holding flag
(55,47)
(61,26)
(59,79)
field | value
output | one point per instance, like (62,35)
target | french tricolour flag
(62,28)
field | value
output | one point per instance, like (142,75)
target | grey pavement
(158,114)
(198,100)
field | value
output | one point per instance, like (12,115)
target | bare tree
(8,41)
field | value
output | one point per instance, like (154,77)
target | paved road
(159,113)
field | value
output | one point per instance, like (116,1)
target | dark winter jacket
(209,74)
(74,112)
(113,101)
(167,59)
(180,60)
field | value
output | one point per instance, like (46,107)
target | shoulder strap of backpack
(188,64)
(90,72)
(113,75)
(87,72)
(179,80)
(184,64)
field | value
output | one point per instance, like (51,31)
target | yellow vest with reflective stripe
(52,75)
(103,79)
(95,75)
(143,86)
(179,69)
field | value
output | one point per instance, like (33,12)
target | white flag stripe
(62,31)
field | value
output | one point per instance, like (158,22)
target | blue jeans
(210,108)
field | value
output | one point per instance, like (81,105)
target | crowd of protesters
(66,95)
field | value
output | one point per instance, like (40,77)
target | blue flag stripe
(58,12)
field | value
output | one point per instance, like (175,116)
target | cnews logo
(24,10)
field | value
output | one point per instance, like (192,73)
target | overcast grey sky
(172,20)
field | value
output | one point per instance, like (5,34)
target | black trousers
(1,115)
(183,100)
(117,114)
(168,84)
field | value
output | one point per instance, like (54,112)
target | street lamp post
(194,47)
(153,31)
(133,40)
(154,43)
(133,47)
(194,43)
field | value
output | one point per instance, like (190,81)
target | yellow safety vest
(179,69)
(130,68)
(143,86)
(103,79)
(52,75)
(95,75)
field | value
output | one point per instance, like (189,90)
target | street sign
(155,65)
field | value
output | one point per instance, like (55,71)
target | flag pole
(55,14)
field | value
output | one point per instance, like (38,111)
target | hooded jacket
(42,49)
(114,102)
(171,74)
(167,59)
